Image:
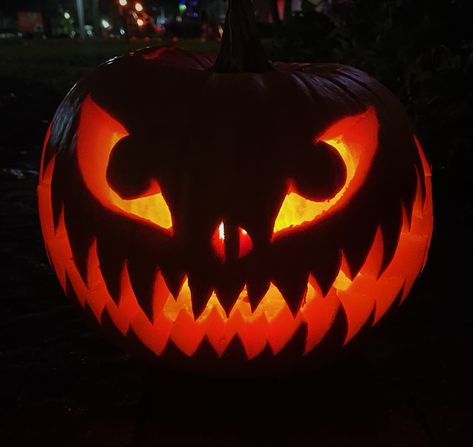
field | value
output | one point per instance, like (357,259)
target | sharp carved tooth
(213,305)
(184,300)
(326,270)
(257,290)
(174,282)
(229,296)
(172,307)
(142,276)
(293,288)
(161,294)
(272,303)
(200,293)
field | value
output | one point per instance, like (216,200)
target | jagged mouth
(366,297)
(362,299)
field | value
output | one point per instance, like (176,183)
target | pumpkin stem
(241,49)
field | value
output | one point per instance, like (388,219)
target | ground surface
(62,384)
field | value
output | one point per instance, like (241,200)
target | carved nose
(230,242)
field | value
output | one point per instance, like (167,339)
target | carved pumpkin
(234,213)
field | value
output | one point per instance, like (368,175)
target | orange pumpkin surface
(229,213)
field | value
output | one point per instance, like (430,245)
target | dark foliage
(421,50)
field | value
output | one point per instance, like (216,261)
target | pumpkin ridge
(342,87)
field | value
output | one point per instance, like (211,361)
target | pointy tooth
(391,231)
(174,281)
(111,266)
(374,259)
(83,248)
(160,294)
(257,289)
(184,300)
(312,282)
(293,289)
(93,276)
(356,250)
(228,294)
(200,294)
(235,350)
(255,336)
(272,303)
(296,343)
(186,334)
(142,276)
(326,272)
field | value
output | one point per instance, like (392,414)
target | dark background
(62,383)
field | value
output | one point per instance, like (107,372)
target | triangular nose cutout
(230,242)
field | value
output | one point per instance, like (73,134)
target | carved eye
(100,141)
(354,139)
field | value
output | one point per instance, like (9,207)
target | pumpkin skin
(233,221)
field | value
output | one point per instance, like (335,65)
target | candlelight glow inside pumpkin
(355,138)
(294,221)
(98,136)
(272,321)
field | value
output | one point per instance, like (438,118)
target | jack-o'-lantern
(234,212)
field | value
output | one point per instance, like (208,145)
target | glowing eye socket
(98,134)
(355,138)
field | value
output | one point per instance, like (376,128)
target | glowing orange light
(218,242)
(140,22)
(221,231)
(122,2)
(245,245)
(139,7)
(97,135)
(271,323)
(355,138)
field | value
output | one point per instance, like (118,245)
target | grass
(58,63)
